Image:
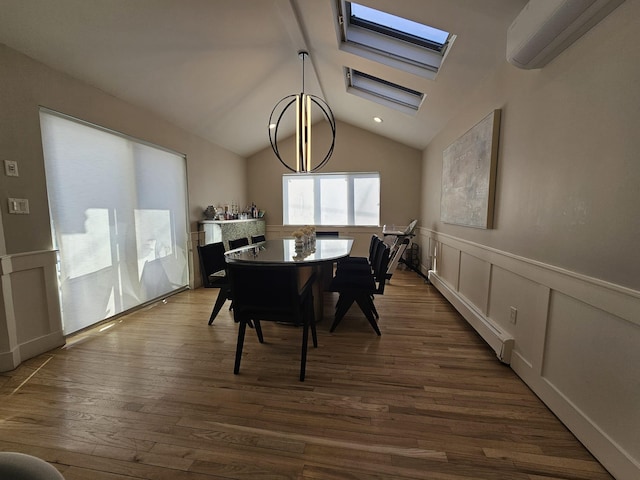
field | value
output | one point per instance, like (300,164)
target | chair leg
(309,320)
(340,302)
(258,328)
(312,321)
(373,308)
(344,303)
(364,304)
(314,335)
(222,297)
(303,355)
(342,306)
(241,331)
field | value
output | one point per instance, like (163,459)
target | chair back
(257,238)
(411,227)
(212,261)
(327,234)
(373,247)
(277,293)
(239,242)
(376,255)
(268,292)
(380,267)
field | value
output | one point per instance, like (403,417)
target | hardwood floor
(154,397)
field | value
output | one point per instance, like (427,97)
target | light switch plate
(513,314)
(19,206)
(11,168)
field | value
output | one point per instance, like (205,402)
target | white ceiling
(217,67)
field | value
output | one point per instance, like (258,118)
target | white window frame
(392,95)
(317,178)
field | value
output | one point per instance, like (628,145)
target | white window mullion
(350,202)
(317,201)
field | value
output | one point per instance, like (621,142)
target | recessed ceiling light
(377,119)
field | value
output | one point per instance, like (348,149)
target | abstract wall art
(469,175)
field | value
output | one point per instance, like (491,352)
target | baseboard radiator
(498,340)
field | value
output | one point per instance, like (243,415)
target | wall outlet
(11,168)
(514,315)
(18,206)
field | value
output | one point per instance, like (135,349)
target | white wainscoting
(30,322)
(575,340)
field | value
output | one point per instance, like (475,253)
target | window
(119,219)
(383,92)
(331,199)
(394,41)
(397,27)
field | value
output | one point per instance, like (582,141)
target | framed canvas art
(469,175)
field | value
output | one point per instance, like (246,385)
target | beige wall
(564,250)
(568,170)
(356,150)
(29,314)
(214,174)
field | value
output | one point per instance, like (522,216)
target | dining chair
(257,238)
(214,274)
(360,286)
(363,262)
(320,233)
(238,242)
(272,293)
(365,265)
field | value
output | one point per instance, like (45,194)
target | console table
(225,230)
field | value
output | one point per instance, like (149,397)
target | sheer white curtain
(119,219)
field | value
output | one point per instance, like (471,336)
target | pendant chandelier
(303,105)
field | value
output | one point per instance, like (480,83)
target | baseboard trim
(9,360)
(500,342)
(609,453)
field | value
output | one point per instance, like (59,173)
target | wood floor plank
(154,397)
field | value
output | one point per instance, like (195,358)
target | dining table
(316,257)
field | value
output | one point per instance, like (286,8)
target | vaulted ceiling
(217,67)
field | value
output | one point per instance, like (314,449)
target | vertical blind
(119,219)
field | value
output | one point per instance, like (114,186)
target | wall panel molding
(575,355)
(621,301)
(30,319)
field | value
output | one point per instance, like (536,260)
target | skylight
(399,27)
(383,92)
(394,41)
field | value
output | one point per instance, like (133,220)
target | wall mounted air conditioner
(544,28)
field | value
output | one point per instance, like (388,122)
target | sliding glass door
(119,219)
